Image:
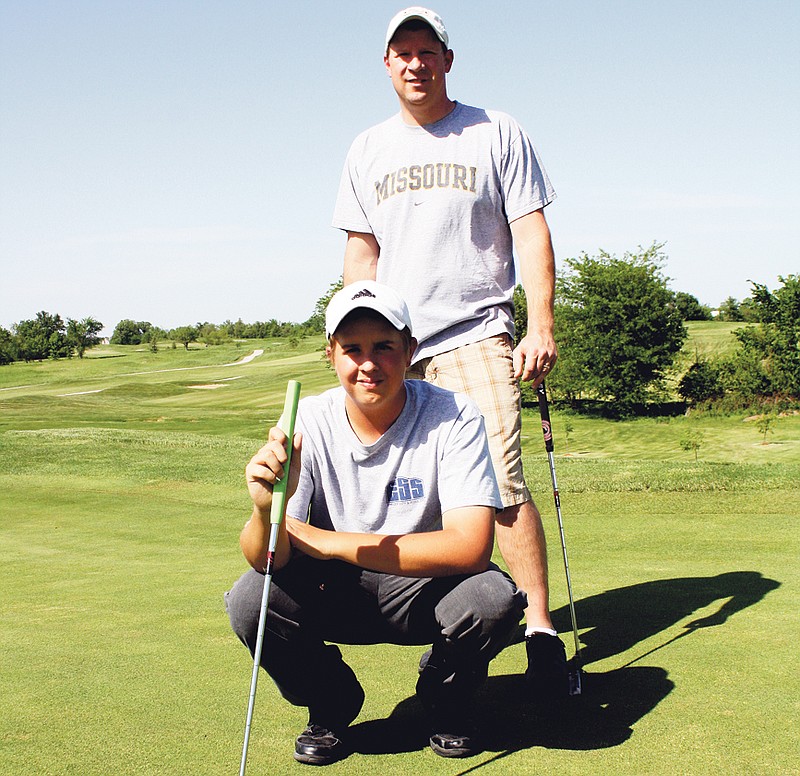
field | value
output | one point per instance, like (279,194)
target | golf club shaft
(547,431)
(277,510)
(262,619)
(660,646)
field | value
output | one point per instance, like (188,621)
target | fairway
(122,500)
(711,339)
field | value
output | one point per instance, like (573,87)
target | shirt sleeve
(523,179)
(466,475)
(349,213)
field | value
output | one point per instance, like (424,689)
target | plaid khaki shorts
(485,372)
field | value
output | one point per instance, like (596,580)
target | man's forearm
(360,257)
(538,282)
(537,269)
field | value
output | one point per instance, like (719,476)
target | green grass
(710,339)
(119,524)
(733,439)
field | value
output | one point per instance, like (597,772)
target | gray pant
(467,619)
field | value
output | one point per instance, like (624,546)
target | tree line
(129,332)
(619,328)
(48,336)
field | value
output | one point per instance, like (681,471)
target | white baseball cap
(371,295)
(423,14)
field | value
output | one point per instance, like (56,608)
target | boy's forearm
(254,541)
(418,555)
(464,549)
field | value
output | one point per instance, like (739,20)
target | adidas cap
(370,295)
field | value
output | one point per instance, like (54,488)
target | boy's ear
(412,347)
(329,352)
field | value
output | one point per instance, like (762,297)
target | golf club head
(575,678)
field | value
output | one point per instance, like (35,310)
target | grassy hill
(711,338)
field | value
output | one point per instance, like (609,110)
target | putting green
(119,526)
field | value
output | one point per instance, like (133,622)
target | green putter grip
(286,424)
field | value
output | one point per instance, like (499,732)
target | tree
(767,361)
(749,310)
(617,325)
(210,334)
(152,339)
(520,314)
(779,340)
(730,310)
(701,382)
(764,425)
(567,379)
(184,335)
(742,372)
(236,330)
(40,338)
(692,441)
(83,334)
(8,349)
(690,308)
(316,323)
(128,332)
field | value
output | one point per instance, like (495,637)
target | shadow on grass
(602,717)
(617,620)
(613,701)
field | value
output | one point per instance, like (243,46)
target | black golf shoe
(547,676)
(317,745)
(453,734)
(321,742)
(455,744)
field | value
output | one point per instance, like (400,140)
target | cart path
(245,360)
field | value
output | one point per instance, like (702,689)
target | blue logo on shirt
(405,489)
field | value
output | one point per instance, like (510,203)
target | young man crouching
(388,536)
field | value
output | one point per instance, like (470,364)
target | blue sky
(177,161)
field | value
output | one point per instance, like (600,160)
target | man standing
(433,201)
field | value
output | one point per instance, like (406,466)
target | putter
(576,669)
(277,510)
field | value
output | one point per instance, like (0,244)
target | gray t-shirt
(434,458)
(439,200)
